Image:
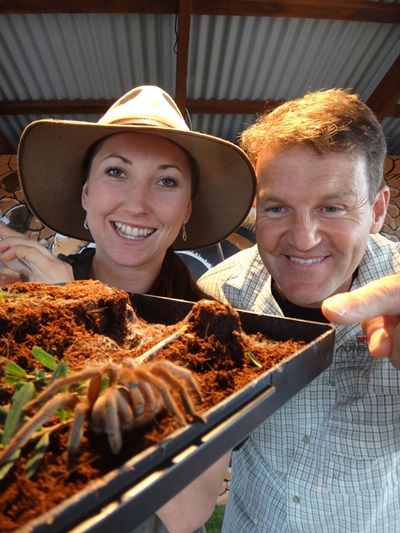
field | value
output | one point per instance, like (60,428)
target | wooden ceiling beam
(185,7)
(198,106)
(99,107)
(363,10)
(89,6)
(366,10)
(383,101)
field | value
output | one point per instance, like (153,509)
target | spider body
(135,394)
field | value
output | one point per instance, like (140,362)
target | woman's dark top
(81,263)
(174,280)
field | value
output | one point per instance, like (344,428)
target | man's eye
(332,209)
(275,210)
(114,172)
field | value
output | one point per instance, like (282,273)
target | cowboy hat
(51,154)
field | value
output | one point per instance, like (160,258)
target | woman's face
(137,196)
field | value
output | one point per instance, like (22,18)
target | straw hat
(51,154)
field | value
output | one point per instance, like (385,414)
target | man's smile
(306,261)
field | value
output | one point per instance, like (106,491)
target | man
(328,460)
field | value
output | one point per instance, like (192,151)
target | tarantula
(136,393)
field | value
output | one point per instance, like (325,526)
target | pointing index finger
(380,297)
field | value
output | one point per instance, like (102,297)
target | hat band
(141,121)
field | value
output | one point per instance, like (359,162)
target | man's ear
(84,195)
(379,209)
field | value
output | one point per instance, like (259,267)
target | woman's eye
(167,182)
(114,172)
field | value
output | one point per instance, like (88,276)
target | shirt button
(306,439)
(296,499)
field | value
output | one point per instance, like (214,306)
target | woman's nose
(138,198)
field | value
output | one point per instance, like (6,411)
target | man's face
(313,220)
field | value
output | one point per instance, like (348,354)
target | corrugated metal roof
(82,56)
(259,57)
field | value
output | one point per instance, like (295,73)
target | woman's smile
(131,232)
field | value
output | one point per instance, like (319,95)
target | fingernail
(338,304)
(378,342)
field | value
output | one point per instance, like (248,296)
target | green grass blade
(3,415)
(253,359)
(13,370)
(44,358)
(60,372)
(38,453)
(15,415)
(9,464)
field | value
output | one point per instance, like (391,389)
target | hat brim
(50,157)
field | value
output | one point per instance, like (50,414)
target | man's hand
(31,259)
(377,307)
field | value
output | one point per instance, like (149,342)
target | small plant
(253,359)
(12,417)
(16,375)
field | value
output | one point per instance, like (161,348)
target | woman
(139,184)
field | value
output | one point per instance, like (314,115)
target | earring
(184,236)
(86,223)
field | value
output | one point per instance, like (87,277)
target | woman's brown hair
(175,280)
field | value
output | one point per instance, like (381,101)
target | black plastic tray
(125,497)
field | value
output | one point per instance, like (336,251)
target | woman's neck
(134,280)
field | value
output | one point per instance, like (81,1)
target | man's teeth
(301,261)
(132,232)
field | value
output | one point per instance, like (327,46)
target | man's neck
(292,310)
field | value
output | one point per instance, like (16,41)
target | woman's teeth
(132,232)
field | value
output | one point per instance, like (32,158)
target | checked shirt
(329,459)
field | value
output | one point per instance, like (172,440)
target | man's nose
(305,232)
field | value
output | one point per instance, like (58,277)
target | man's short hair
(330,120)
